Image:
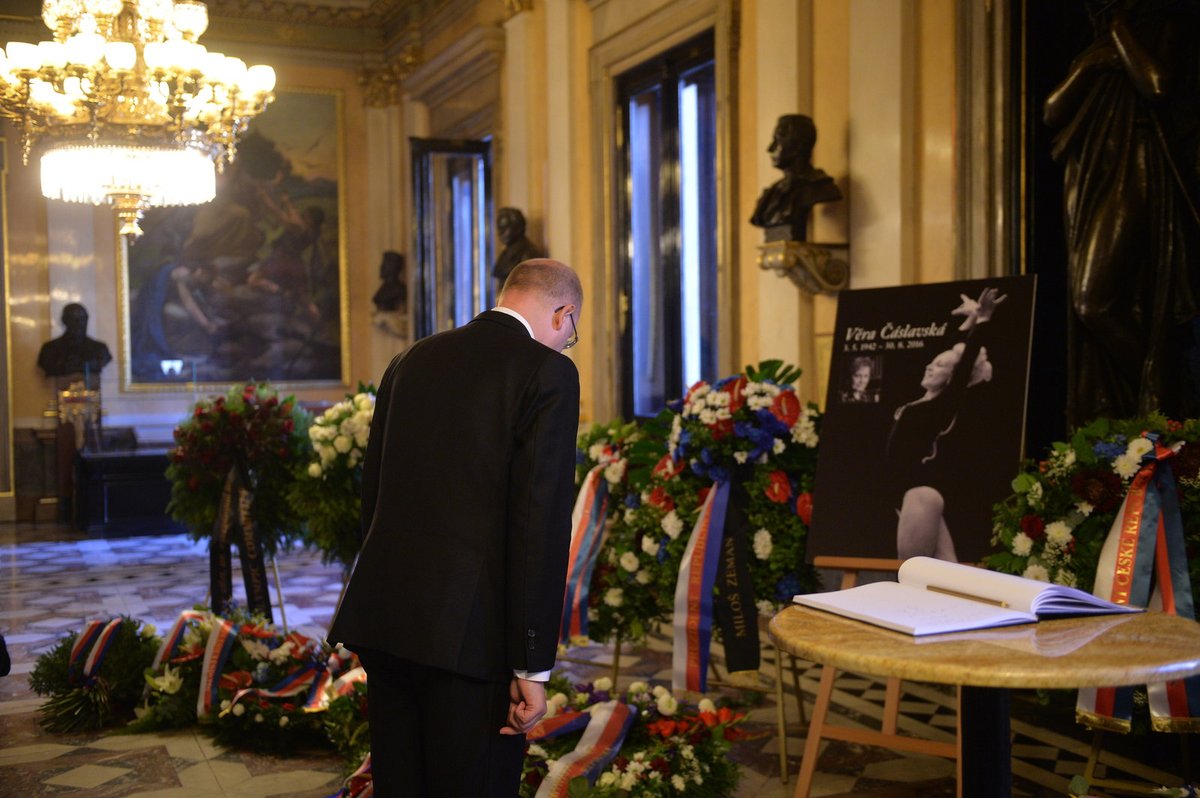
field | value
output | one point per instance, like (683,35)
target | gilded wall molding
(384,85)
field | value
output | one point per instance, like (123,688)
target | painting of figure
(250,285)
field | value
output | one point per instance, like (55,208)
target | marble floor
(52,579)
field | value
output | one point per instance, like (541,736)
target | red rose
(804,507)
(786,407)
(780,489)
(1033,526)
(702,495)
(736,397)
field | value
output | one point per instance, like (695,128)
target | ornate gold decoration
(817,268)
(382,85)
(514,7)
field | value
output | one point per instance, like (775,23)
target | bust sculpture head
(784,206)
(510,229)
(73,352)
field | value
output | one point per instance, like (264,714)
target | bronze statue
(73,352)
(787,202)
(510,229)
(1128,120)
(392,296)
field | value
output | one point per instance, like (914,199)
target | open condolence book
(935,596)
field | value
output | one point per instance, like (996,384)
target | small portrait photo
(862,380)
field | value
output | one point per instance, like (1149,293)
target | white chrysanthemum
(637,688)
(314,470)
(1058,534)
(678,783)
(1034,496)
(1022,544)
(1138,447)
(629,561)
(283,720)
(762,544)
(672,524)
(804,431)
(596,451)
(628,781)
(708,416)
(740,457)
(666,704)
(659,691)
(1036,571)
(614,472)
(778,446)
(642,577)
(1126,465)
(258,717)
(614,597)
(630,514)
(238,710)
(603,684)
(706,705)
(1084,508)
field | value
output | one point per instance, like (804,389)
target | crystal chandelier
(126,106)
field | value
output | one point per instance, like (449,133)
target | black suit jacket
(468,485)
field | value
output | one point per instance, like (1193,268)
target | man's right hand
(527,705)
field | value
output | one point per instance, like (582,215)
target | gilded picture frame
(253,285)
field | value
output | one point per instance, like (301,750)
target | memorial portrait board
(253,284)
(924,418)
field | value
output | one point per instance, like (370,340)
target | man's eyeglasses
(574,339)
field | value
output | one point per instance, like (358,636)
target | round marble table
(1100,651)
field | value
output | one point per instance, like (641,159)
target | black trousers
(436,734)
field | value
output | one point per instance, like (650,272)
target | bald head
(548,295)
(545,278)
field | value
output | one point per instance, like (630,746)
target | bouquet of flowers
(667,752)
(1054,524)
(79,701)
(327,491)
(345,723)
(251,429)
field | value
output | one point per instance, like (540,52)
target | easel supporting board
(820,729)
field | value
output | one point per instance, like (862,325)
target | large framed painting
(253,284)
(6,408)
(924,418)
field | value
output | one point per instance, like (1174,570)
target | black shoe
(5,662)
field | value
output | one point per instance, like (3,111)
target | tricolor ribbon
(601,740)
(694,594)
(298,681)
(587,534)
(359,784)
(560,724)
(1145,551)
(91,647)
(171,641)
(220,643)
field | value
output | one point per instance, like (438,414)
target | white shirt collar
(516,316)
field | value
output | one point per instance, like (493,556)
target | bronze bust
(73,352)
(510,229)
(786,203)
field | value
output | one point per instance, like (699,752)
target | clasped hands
(978,311)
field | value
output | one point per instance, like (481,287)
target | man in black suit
(455,601)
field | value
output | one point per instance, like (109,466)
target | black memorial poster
(924,418)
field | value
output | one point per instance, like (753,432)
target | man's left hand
(527,705)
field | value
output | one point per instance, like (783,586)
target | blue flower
(662,549)
(719,473)
(580,457)
(707,456)
(675,405)
(1106,450)
(632,499)
(787,587)
(772,425)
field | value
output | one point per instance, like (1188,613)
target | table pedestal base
(985,740)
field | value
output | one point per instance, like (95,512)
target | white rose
(603,684)
(342,444)
(636,688)
(629,561)
(706,705)
(650,546)
(607,779)
(678,783)
(314,470)
(1022,544)
(283,720)
(258,717)
(238,710)
(614,597)
(667,704)
(642,577)
(362,437)
(659,691)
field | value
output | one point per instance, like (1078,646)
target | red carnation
(780,488)
(786,407)
(804,507)
(661,499)
(702,494)
(1033,526)
(667,467)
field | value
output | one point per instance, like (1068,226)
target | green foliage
(345,724)
(76,704)
(249,428)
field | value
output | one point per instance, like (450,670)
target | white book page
(1015,592)
(912,610)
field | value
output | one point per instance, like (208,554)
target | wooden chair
(820,728)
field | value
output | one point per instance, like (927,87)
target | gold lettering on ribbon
(1135,503)
(731,582)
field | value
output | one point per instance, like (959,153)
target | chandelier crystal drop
(126,106)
